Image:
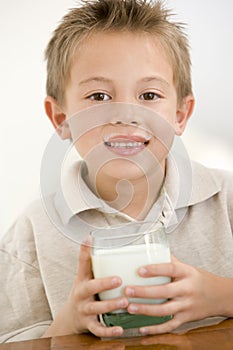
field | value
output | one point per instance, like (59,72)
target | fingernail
(143,271)
(115,281)
(143,331)
(129,291)
(116,331)
(87,241)
(133,308)
(122,303)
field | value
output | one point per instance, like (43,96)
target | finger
(102,307)
(98,285)
(173,270)
(165,327)
(84,261)
(175,289)
(106,332)
(174,259)
(164,291)
(165,309)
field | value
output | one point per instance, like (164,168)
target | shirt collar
(186,183)
(74,196)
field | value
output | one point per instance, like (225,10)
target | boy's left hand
(193,294)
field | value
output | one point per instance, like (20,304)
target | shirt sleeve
(25,312)
(229,196)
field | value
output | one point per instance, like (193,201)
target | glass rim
(129,237)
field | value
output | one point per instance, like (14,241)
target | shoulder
(19,240)
(222,178)
(208,182)
(225,179)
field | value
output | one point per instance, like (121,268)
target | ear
(57,117)
(183,114)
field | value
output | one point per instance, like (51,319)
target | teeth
(106,138)
(124,144)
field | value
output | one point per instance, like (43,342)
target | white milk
(124,262)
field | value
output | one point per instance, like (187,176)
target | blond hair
(116,15)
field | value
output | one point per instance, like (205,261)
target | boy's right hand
(80,313)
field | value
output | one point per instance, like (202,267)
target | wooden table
(218,337)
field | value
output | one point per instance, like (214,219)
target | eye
(149,96)
(99,96)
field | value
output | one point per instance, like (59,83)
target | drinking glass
(121,250)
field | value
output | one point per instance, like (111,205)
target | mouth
(126,145)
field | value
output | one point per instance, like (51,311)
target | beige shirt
(39,260)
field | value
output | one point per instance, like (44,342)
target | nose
(125,114)
(119,122)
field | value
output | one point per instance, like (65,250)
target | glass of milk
(120,251)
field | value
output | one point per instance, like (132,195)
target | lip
(126,144)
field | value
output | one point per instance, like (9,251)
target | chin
(123,169)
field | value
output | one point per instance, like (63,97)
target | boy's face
(130,68)
(121,67)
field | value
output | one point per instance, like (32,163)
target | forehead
(116,50)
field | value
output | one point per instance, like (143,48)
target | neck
(134,197)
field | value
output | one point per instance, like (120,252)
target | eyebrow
(156,79)
(95,79)
(149,79)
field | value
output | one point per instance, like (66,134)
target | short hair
(116,15)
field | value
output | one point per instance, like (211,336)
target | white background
(25,28)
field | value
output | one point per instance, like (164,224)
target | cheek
(159,151)
(167,110)
(170,119)
(88,142)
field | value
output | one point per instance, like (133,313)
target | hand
(80,312)
(193,294)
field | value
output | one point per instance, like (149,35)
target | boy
(124,56)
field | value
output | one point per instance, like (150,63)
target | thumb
(174,259)
(84,260)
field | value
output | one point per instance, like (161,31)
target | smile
(126,145)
